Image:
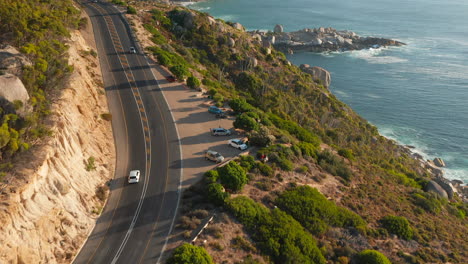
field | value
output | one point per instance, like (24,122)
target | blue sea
(416,94)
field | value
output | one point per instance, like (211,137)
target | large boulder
(238,26)
(318,74)
(12,61)
(434,187)
(231,42)
(12,89)
(278,29)
(439,162)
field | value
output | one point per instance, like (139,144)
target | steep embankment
(51,204)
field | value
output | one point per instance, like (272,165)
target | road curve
(137,218)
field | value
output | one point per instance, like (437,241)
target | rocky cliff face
(50,203)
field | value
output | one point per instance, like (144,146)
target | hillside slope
(311,138)
(50,203)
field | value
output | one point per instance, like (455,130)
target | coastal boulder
(439,162)
(238,26)
(317,73)
(278,29)
(231,42)
(12,61)
(12,89)
(434,187)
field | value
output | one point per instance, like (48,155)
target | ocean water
(416,94)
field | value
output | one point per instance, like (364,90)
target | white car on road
(237,143)
(134,176)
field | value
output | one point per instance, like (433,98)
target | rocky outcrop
(278,29)
(238,26)
(317,73)
(446,185)
(439,162)
(434,187)
(324,39)
(12,89)
(12,61)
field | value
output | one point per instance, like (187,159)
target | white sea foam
(373,96)
(374,56)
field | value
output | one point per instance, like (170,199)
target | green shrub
(211,176)
(294,129)
(193,82)
(190,254)
(398,225)
(90,164)
(334,165)
(285,164)
(216,194)
(314,211)
(372,257)
(428,201)
(347,153)
(246,122)
(240,105)
(276,233)
(131,10)
(232,176)
(247,162)
(261,138)
(264,169)
(157,37)
(179,71)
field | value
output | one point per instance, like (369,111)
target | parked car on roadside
(220,132)
(134,176)
(132,50)
(215,110)
(221,115)
(237,143)
(170,78)
(214,156)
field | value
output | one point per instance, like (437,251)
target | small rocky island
(319,40)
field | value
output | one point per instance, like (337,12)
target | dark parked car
(170,78)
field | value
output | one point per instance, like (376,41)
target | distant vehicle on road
(132,50)
(214,156)
(134,176)
(237,143)
(220,132)
(215,110)
(170,78)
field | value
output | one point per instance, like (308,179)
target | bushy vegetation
(372,257)
(290,117)
(38,29)
(398,225)
(232,176)
(190,254)
(193,82)
(314,211)
(276,233)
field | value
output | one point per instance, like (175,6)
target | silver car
(214,156)
(220,132)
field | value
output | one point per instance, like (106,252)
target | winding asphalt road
(137,218)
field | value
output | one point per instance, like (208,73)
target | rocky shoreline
(439,184)
(319,40)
